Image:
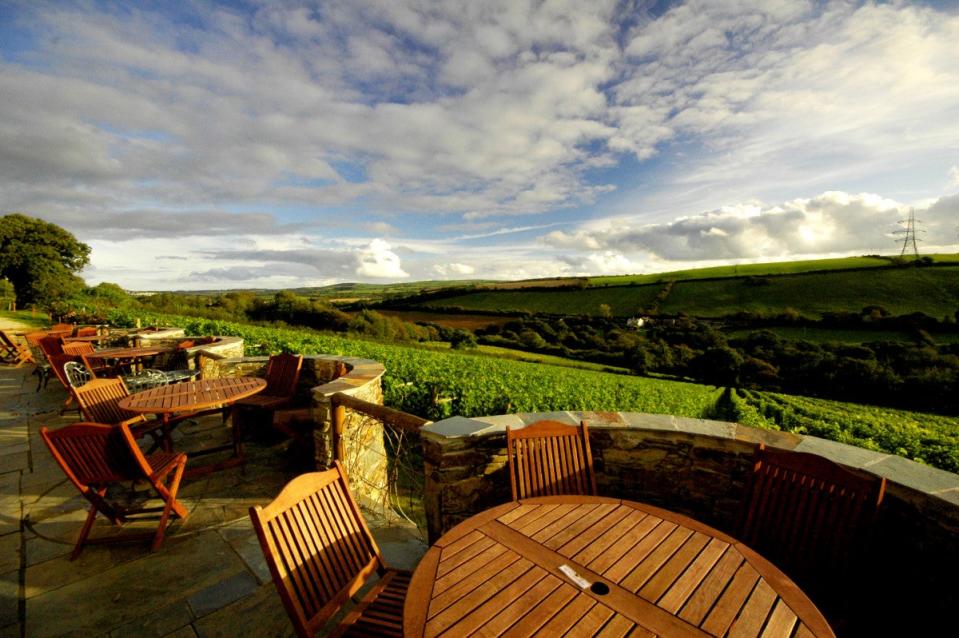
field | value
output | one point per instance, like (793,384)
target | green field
(522,355)
(934,291)
(746,270)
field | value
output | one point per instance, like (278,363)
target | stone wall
(699,468)
(321,377)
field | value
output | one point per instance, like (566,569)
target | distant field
(623,301)
(747,270)
(527,357)
(934,291)
(467,322)
(27,317)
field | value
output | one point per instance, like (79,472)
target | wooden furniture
(85,351)
(11,351)
(548,458)
(282,375)
(99,403)
(124,357)
(42,369)
(96,457)
(809,515)
(321,552)
(191,399)
(600,566)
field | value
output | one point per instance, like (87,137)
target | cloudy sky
(278,144)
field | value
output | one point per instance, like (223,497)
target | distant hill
(810,288)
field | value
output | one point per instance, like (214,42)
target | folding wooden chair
(321,552)
(808,515)
(98,400)
(549,458)
(282,375)
(11,351)
(97,457)
(42,369)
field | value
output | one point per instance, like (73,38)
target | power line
(909,234)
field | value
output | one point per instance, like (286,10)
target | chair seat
(380,612)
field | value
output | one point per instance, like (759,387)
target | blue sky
(280,144)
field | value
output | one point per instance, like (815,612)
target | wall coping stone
(901,471)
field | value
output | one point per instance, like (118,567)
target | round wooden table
(594,565)
(192,398)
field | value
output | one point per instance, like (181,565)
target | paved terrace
(207,579)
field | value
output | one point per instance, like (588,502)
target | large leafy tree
(40,259)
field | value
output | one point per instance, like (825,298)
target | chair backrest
(87,331)
(77,348)
(98,401)
(548,458)
(806,513)
(61,329)
(57,363)
(93,454)
(51,344)
(76,373)
(317,545)
(282,374)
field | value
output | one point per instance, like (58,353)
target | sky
(210,145)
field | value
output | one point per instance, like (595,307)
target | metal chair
(76,373)
(320,553)
(96,457)
(549,458)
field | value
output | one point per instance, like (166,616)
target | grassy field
(623,302)
(744,270)
(528,357)
(467,322)
(826,335)
(934,291)
(26,317)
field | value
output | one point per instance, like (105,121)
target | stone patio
(208,578)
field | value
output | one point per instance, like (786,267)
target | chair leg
(169,495)
(84,532)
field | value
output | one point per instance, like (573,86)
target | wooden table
(645,570)
(193,398)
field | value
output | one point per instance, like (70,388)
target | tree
(40,259)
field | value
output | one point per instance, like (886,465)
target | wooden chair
(87,352)
(62,329)
(86,331)
(11,351)
(96,457)
(321,552)
(807,514)
(282,375)
(548,458)
(98,400)
(42,369)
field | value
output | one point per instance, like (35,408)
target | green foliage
(40,259)
(7,294)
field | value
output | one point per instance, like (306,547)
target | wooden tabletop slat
(453,559)
(591,622)
(618,540)
(586,538)
(584,522)
(542,611)
(495,555)
(708,592)
(638,553)
(727,607)
(576,514)
(192,395)
(498,601)
(781,622)
(477,595)
(648,572)
(656,559)
(654,588)
(693,576)
(514,612)
(620,626)
(753,616)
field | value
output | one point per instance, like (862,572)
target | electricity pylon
(909,234)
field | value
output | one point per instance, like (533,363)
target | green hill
(811,288)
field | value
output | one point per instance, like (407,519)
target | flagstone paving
(208,579)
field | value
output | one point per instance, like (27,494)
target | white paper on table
(573,576)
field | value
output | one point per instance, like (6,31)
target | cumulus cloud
(454,269)
(834,222)
(379,262)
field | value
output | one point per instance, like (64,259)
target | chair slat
(548,458)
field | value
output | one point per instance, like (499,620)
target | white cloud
(379,262)
(953,177)
(454,269)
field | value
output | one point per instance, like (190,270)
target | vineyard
(437,385)
(926,438)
